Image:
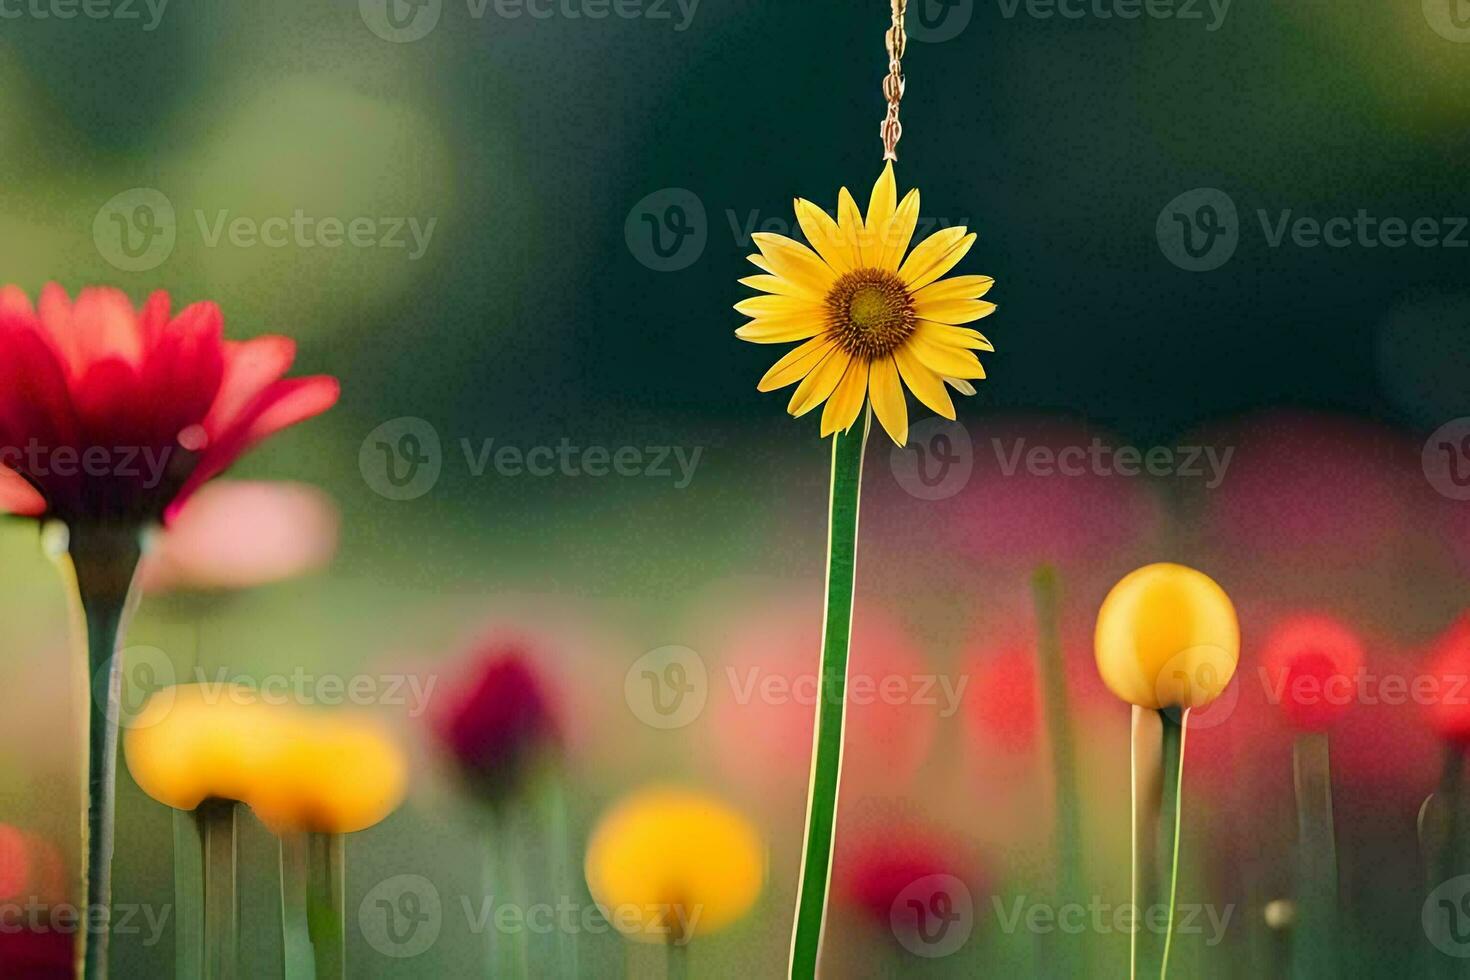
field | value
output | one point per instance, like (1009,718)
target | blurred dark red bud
(499,723)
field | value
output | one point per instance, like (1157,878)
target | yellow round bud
(334,775)
(665,865)
(1167,637)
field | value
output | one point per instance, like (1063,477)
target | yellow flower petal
(757,307)
(778,286)
(881,207)
(894,239)
(797,364)
(953,310)
(963,387)
(943,335)
(955,287)
(888,401)
(666,865)
(778,331)
(924,383)
(794,261)
(944,360)
(828,240)
(850,219)
(759,261)
(817,385)
(935,256)
(847,400)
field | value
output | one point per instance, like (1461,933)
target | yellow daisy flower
(872,320)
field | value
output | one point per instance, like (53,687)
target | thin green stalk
(677,966)
(562,876)
(297,961)
(821,810)
(216,820)
(1144,797)
(1052,669)
(1312,953)
(1450,801)
(1173,763)
(188,895)
(505,956)
(104,560)
(326,911)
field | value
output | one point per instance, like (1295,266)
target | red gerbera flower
(111,413)
(1312,663)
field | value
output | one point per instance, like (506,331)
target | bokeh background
(541,311)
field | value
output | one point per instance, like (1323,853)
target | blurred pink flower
(881,871)
(233,534)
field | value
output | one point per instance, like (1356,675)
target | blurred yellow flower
(667,864)
(298,770)
(200,741)
(1167,637)
(333,776)
(872,322)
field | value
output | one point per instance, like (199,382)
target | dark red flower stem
(104,559)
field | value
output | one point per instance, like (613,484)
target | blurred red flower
(1312,662)
(112,413)
(499,721)
(888,865)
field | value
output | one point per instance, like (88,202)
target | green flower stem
(562,875)
(104,560)
(1313,950)
(821,814)
(297,962)
(216,821)
(188,895)
(1051,667)
(1174,734)
(326,911)
(677,967)
(507,954)
(1442,823)
(1158,777)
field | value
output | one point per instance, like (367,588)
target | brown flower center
(870,313)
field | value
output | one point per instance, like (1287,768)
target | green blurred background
(534,314)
